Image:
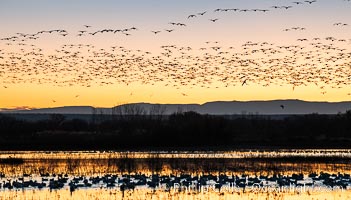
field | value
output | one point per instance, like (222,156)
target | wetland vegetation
(184,130)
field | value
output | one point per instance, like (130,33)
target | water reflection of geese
(179,182)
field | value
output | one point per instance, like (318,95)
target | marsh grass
(157,165)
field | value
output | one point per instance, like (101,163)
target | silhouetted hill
(274,107)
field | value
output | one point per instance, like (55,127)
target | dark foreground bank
(187,130)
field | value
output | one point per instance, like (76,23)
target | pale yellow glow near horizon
(41,96)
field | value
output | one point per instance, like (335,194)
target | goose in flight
(191,16)
(94,33)
(310,2)
(202,13)
(302,40)
(156,32)
(213,20)
(244,82)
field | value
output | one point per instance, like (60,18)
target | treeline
(181,130)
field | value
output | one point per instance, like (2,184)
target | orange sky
(233,29)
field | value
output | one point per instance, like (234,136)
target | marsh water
(240,174)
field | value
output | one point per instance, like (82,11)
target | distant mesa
(273,107)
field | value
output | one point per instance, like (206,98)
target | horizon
(274,107)
(247,101)
(117,55)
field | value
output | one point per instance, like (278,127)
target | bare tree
(133,109)
(93,115)
(118,112)
(128,111)
(180,110)
(157,111)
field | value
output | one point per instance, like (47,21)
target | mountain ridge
(279,106)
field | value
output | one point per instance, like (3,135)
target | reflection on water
(91,163)
(88,174)
(107,194)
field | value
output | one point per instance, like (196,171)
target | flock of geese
(183,182)
(324,62)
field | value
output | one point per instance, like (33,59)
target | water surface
(112,169)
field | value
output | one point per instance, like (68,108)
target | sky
(259,50)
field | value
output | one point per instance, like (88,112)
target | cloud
(18,108)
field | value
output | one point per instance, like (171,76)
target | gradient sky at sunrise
(49,85)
